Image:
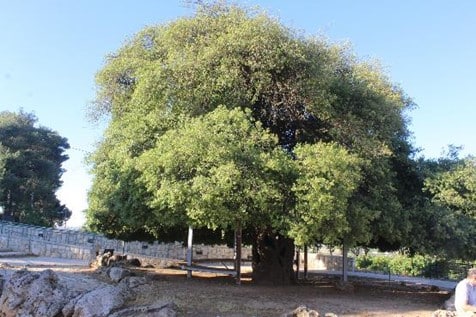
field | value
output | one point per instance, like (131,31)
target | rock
(302,311)
(116,274)
(33,294)
(444,313)
(116,258)
(50,294)
(344,286)
(99,302)
(133,262)
(155,310)
(2,283)
(449,304)
(101,260)
(108,260)
(104,259)
(448,308)
(133,281)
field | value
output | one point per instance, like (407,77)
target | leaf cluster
(317,151)
(30,170)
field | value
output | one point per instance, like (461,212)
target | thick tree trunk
(273,257)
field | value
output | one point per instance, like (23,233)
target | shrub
(397,264)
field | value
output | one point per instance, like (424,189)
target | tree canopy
(453,193)
(30,170)
(315,153)
(217,170)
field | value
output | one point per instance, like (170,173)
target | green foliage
(451,186)
(456,188)
(216,171)
(173,156)
(329,175)
(30,170)
(417,265)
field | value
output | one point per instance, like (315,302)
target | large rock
(50,294)
(116,274)
(32,294)
(155,310)
(108,260)
(302,311)
(99,302)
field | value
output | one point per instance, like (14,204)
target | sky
(50,51)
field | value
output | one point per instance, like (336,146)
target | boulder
(302,311)
(155,310)
(134,281)
(33,294)
(50,294)
(116,274)
(116,258)
(99,302)
(133,262)
(108,260)
(101,260)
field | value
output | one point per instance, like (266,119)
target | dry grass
(213,295)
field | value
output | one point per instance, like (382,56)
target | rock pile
(304,311)
(108,259)
(48,294)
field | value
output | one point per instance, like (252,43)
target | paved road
(442,284)
(21,259)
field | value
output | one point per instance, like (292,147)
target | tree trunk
(273,257)
(344,263)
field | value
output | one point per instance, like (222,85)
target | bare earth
(211,295)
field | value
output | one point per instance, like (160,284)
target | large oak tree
(302,90)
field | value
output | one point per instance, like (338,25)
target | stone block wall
(73,244)
(324,261)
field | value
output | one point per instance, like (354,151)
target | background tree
(32,158)
(329,176)
(303,90)
(453,193)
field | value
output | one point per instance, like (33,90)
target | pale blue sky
(50,51)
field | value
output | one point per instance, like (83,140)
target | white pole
(189,250)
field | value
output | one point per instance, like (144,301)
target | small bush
(396,264)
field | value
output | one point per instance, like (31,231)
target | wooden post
(305,261)
(189,250)
(238,240)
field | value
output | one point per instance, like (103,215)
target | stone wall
(322,261)
(74,244)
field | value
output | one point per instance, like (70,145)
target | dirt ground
(213,295)
(210,295)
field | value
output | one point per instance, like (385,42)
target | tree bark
(344,262)
(273,256)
